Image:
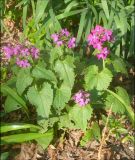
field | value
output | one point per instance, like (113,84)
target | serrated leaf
(80,115)
(65,71)
(24,79)
(41,99)
(40,72)
(119,65)
(62,96)
(96,79)
(65,122)
(55,53)
(117,106)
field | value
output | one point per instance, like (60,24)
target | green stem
(103,64)
(128,108)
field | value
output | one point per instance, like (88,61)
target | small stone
(118,156)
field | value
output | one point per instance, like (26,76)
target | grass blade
(25,8)
(40,8)
(18,138)
(6,127)
(105,8)
(81,26)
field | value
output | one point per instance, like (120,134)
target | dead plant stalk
(102,142)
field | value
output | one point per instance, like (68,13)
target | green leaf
(40,8)
(95,79)
(80,115)
(45,141)
(56,52)
(40,72)
(65,71)
(123,21)
(55,23)
(119,65)
(88,24)
(41,99)
(24,17)
(12,94)
(111,18)
(4,156)
(88,136)
(96,131)
(81,26)
(21,3)
(123,98)
(62,96)
(105,8)
(117,107)
(70,6)
(6,127)
(65,122)
(71,13)
(24,79)
(18,138)
(11,105)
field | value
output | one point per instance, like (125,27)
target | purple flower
(65,32)
(71,42)
(107,36)
(93,39)
(25,52)
(17,49)
(34,52)
(103,54)
(97,45)
(8,51)
(98,30)
(22,63)
(64,38)
(59,43)
(21,53)
(81,98)
(55,37)
(97,37)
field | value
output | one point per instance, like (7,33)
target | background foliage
(59,72)
(41,18)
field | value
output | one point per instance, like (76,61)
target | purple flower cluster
(21,54)
(81,98)
(64,38)
(98,38)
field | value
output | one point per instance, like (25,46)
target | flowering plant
(22,54)
(64,38)
(64,87)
